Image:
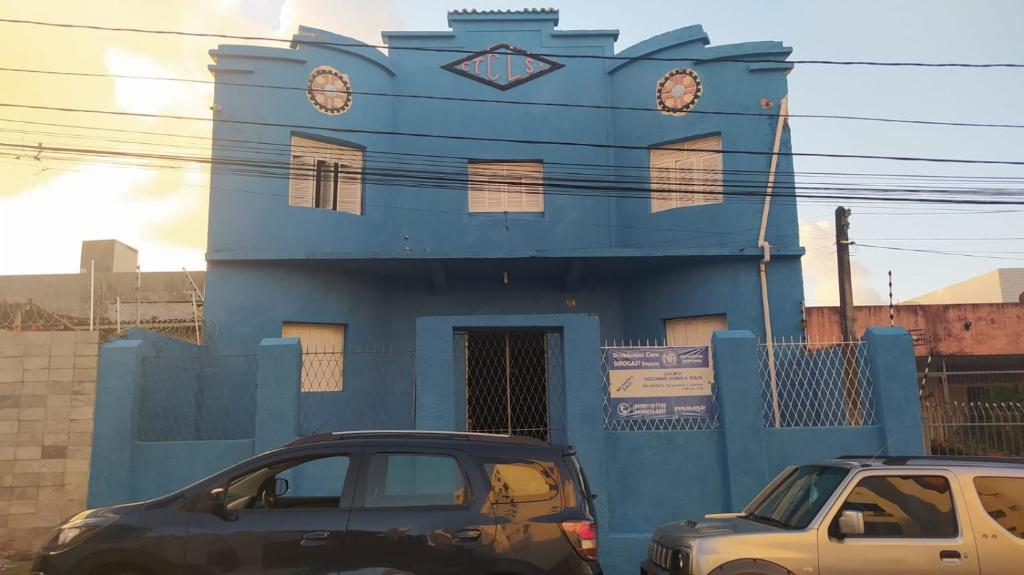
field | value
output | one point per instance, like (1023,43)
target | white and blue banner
(659,382)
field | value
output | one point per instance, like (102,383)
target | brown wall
(996,329)
(47,392)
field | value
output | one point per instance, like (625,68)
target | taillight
(583,536)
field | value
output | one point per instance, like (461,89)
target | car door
(914,524)
(422,511)
(299,528)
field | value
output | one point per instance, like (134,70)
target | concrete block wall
(47,392)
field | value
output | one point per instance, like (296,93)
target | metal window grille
(513,381)
(197,397)
(816,384)
(379,390)
(974,428)
(655,423)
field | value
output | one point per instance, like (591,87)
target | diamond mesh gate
(512,381)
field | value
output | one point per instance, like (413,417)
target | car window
(1003,500)
(308,483)
(798,498)
(521,482)
(414,480)
(912,506)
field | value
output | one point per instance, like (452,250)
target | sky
(48,206)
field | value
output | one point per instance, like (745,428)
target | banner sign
(657,382)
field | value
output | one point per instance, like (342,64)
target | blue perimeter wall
(642,479)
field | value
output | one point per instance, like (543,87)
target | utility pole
(846,326)
(851,373)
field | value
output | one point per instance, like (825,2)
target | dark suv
(381,503)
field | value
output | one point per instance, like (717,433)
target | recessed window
(506,187)
(323,354)
(693,331)
(327,176)
(687,173)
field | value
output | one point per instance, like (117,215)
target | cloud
(360,19)
(820,268)
(153,96)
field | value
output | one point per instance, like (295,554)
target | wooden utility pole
(846,326)
(851,372)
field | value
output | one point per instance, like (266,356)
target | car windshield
(798,497)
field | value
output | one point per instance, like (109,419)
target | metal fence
(816,384)
(197,397)
(364,388)
(647,423)
(973,428)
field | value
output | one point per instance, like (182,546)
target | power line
(514,102)
(296,40)
(461,160)
(458,181)
(940,252)
(596,145)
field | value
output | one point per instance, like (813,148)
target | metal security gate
(508,380)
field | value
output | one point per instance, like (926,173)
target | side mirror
(280,486)
(851,523)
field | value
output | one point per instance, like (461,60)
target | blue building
(455,229)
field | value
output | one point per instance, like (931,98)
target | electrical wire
(755,115)
(297,40)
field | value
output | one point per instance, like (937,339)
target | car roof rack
(907,459)
(417,434)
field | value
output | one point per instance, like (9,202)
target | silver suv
(890,515)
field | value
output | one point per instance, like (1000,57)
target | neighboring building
(965,352)
(1004,285)
(122,296)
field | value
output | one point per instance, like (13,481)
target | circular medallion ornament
(329,91)
(678,91)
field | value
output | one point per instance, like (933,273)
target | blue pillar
(739,400)
(117,385)
(278,385)
(439,405)
(897,399)
(584,404)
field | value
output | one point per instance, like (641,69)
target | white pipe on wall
(767,257)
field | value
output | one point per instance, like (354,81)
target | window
(686,173)
(795,501)
(308,483)
(521,482)
(328,176)
(913,506)
(323,357)
(693,331)
(506,187)
(1003,500)
(406,480)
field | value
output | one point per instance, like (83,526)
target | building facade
(446,237)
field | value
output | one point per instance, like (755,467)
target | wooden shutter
(690,173)
(350,180)
(300,181)
(693,331)
(506,187)
(663,179)
(323,359)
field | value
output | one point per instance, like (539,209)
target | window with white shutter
(323,354)
(328,176)
(506,187)
(693,331)
(687,173)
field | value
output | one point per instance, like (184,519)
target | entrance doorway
(507,377)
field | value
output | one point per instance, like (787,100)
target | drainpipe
(767,257)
